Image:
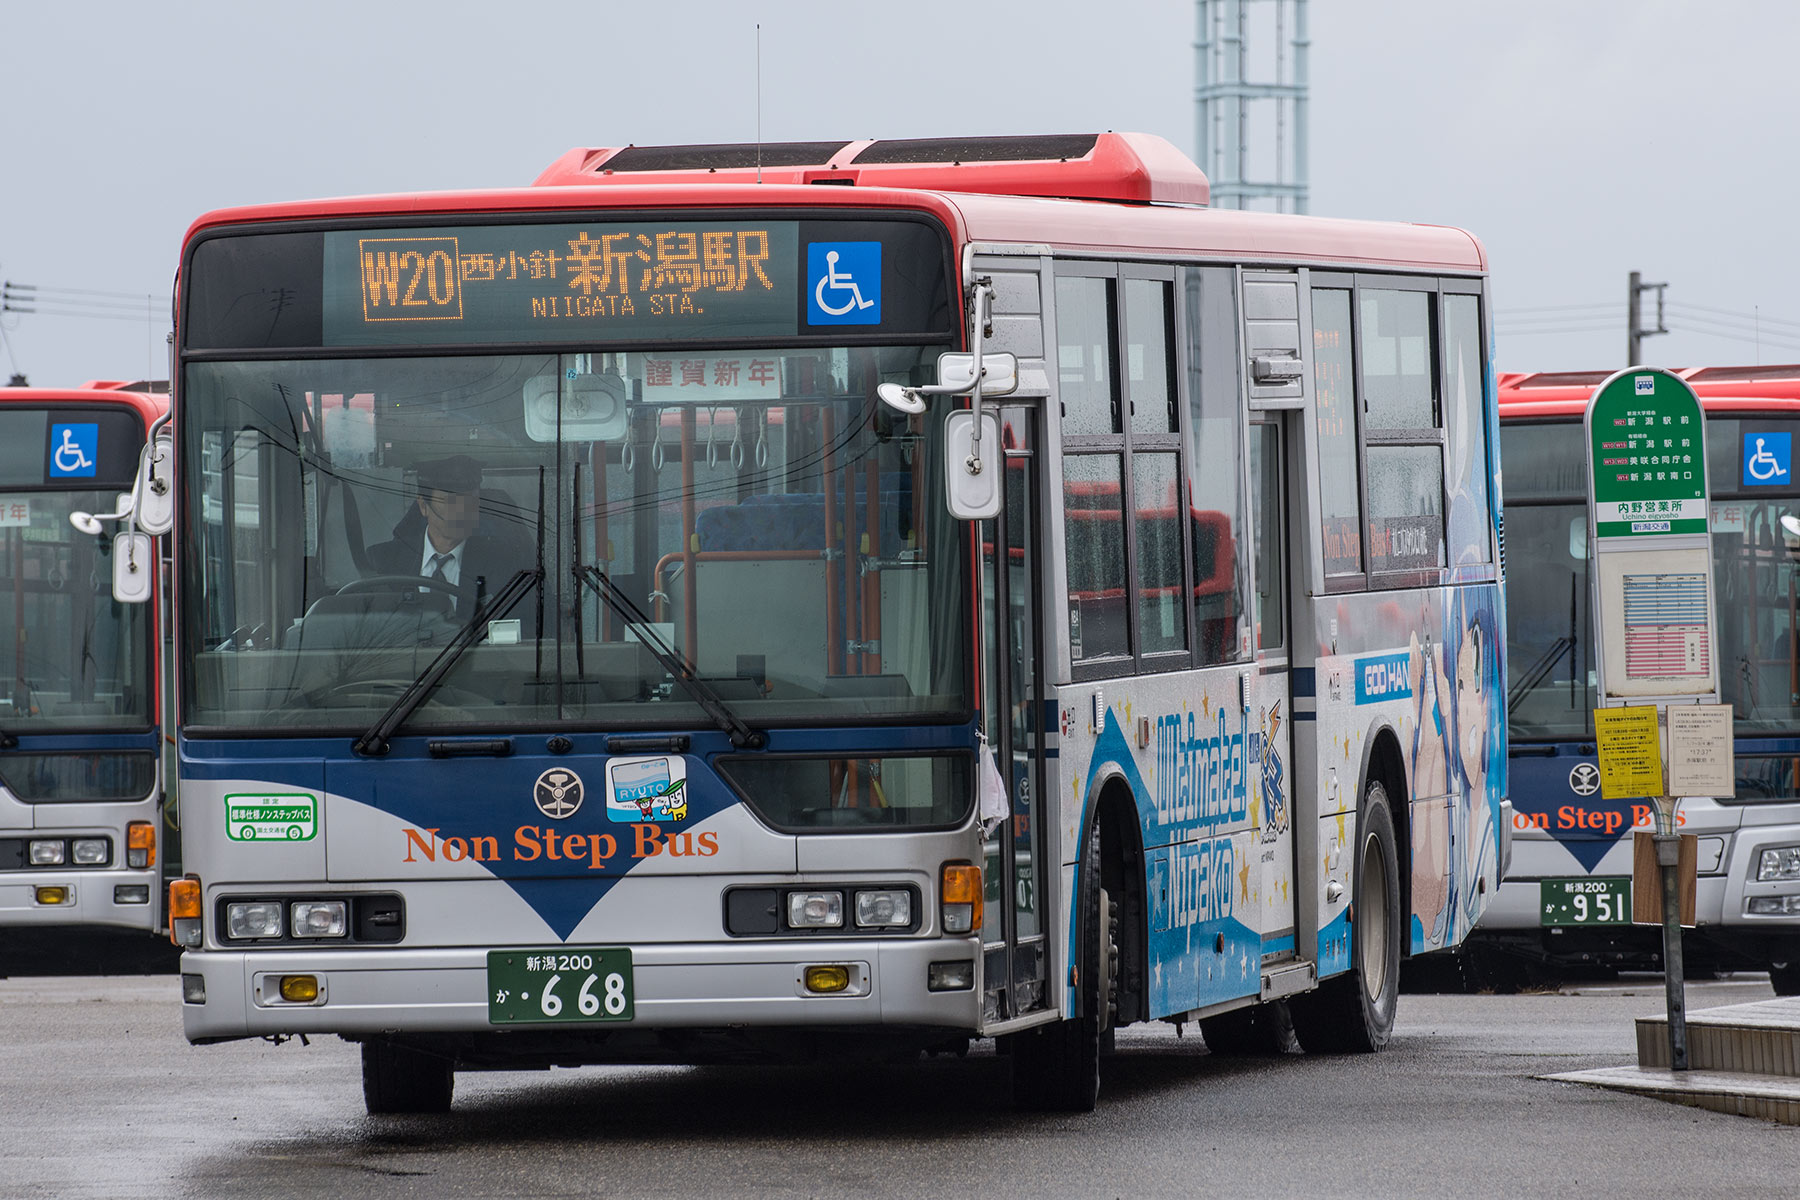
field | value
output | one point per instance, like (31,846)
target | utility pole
(1634,327)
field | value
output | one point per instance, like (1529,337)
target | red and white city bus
(81,779)
(609,633)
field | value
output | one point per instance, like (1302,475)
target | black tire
(1057,1068)
(1353,1013)
(401,1079)
(1257,1031)
(1785,976)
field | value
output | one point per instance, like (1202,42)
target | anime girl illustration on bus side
(1456,742)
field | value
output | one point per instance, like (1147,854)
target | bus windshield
(768,521)
(74,657)
(1549,628)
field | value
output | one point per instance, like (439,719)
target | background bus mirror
(972,495)
(1578,539)
(153,500)
(134,566)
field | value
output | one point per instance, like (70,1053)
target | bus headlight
(318,919)
(1778,865)
(253,919)
(46,854)
(91,852)
(815,910)
(1773,906)
(884,909)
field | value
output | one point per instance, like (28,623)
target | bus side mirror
(134,566)
(153,499)
(971,478)
(999,373)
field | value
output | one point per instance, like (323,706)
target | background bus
(1749,884)
(81,797)
(705,759)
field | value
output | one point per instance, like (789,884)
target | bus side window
(1340,504)
(1215,501)
(1467,432)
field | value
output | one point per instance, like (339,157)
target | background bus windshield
(1549,626)
(71,657)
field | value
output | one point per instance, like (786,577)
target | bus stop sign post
(1655,627)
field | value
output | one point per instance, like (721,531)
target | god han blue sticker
(843,283)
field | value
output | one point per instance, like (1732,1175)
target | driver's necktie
(438,562)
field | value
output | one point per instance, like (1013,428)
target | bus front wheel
(1786,978)
(401,1079)
(1354,1012)
(1057,1068)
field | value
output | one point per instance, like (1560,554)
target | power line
(1500,313)
(1755,317)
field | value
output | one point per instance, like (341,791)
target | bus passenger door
(1271,704)
(1016,951)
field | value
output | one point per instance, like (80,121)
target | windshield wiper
(376,740)
(742,736)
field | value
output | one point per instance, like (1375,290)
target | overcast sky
(1580,139)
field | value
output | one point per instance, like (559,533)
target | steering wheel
(398,583)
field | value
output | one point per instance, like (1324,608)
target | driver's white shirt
(452,565)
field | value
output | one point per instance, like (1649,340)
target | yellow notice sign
(1630,752)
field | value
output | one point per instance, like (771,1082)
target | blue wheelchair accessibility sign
(1768,459)
(843,283)
(74,451)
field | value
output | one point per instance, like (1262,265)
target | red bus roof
(1135,195)
(150,405)
(1565,393)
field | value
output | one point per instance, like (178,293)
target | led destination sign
(506,283)
(588,279)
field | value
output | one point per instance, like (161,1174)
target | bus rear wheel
(1057,1068)
(1354,1012)
(402,1079)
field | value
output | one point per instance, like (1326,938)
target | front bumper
(92,898)
(691,986)
(1725,931)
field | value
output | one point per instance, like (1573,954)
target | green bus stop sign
(1648,463)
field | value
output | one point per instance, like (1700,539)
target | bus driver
(441,540)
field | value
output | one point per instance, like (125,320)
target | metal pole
(1668,855)
(1633,335)
(1301,46)
(1202,78)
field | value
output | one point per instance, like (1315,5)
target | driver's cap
(459,473)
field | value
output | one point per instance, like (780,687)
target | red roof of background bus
(150,405)
(1080,225)
(1565,393)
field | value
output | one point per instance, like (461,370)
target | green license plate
(1601,901)
(559,984)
